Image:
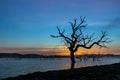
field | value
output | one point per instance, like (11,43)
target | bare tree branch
(78,39)
(61,34)
(101,42)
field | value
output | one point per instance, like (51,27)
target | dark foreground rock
(105,72)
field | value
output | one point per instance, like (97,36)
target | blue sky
(29,23)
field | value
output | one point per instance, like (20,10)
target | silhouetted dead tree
(78,39)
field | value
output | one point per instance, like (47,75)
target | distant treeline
(17,55)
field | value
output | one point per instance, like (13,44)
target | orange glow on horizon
(94,50)
(61,50)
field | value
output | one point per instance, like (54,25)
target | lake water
(10,67)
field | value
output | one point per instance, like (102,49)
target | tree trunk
(72,59)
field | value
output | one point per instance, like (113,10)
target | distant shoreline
(18,55)
(104,72)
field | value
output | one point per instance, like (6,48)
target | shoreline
(102,72)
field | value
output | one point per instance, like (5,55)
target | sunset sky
(26,25)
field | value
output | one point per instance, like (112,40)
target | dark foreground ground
(105,72)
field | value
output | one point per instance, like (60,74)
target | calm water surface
(10,67)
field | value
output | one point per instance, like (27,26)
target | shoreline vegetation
(103,72)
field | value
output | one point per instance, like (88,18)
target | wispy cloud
(94,24)
(113,27)
(114,23)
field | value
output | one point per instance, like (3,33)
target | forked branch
(78,39)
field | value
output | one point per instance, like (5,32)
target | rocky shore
(104,72)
